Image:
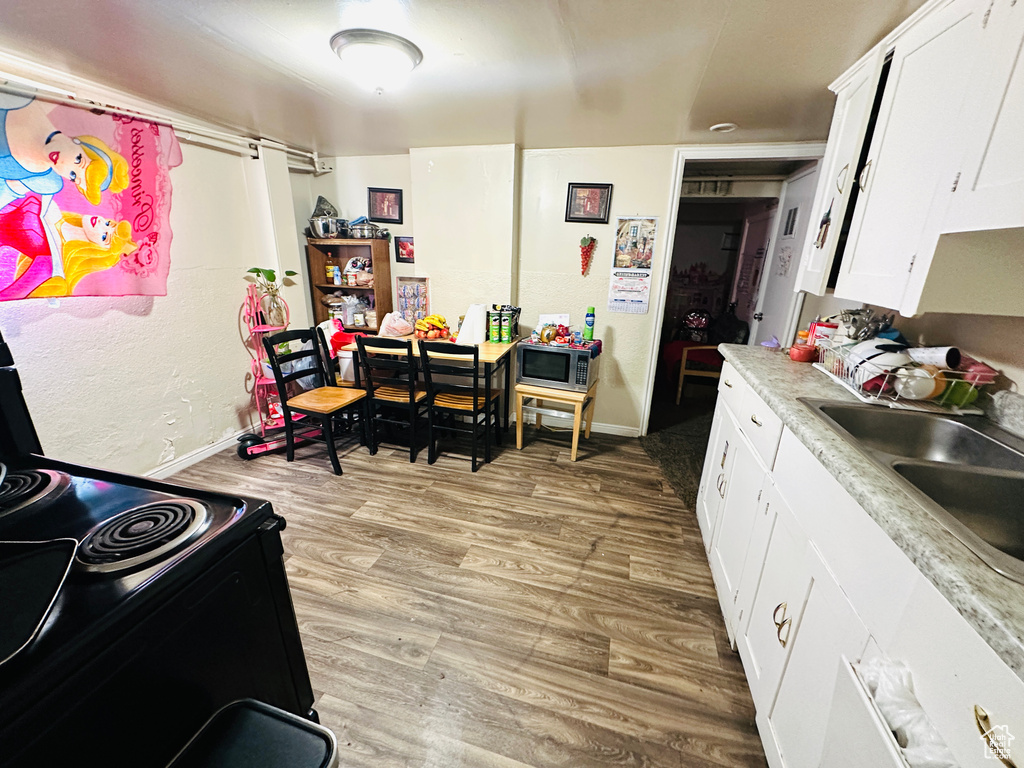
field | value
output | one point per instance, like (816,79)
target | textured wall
(465,202)
(131,383)
(549,264)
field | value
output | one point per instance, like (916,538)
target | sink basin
(968,473)
(990,505)
(927,436)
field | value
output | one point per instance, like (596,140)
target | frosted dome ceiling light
(723,127)
(375,59)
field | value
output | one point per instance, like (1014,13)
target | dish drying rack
(853,375)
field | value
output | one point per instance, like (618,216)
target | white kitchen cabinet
(856,734)
(855,92)
(793,730)
(990,188)
(717,464)
(953,672)
(767,631)
(729,546)
(911,142)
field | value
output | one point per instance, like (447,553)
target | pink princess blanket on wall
(85,201)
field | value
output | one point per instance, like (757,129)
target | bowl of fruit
(432,327)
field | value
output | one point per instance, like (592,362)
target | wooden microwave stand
(322,253)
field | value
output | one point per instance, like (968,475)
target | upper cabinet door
(854,95)
(990,190)
(909,151)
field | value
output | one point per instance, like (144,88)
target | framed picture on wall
(589,203)
(403,250)
(384,205)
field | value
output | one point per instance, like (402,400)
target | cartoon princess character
(88,244)
(37,158)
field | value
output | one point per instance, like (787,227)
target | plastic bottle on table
(588,325)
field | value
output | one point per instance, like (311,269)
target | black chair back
(386,362)
(325,347)
(453,361)
(300,363)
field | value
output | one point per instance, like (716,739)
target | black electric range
(159,603)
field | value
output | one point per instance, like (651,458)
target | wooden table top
(490,352)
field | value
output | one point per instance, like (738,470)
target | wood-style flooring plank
(536,613)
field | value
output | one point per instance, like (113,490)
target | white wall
(467,224)
(132,383)
(549,276)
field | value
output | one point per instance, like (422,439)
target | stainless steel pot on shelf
(364,231)
(329,227)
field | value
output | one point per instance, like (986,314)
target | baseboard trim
(176,465)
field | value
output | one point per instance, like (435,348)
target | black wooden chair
(334,408)
(448,370)
(394,399)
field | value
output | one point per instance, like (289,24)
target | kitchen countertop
(989,602)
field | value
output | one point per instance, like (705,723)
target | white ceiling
(540,73)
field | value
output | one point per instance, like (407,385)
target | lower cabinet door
(856,734)
(768,633)
(729,546)
(829,629)
(711,490)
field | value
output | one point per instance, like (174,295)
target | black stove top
(136,538)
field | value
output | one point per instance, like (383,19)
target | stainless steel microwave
(558,367)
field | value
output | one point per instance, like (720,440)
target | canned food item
(495,326)
(506,327)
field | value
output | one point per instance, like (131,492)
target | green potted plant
(274,310)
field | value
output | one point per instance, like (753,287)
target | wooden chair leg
(682,377)
(519,421)
(412,434)
(332,450)
(590,416)
(487,433)
(431,437)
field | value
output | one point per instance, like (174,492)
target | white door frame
(786,151)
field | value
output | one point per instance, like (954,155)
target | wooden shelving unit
(323,253)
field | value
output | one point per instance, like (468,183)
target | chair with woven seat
(332,407)
(451,400)
(394,399)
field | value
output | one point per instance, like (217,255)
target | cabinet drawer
(731,387)
(760,424)
(954,671)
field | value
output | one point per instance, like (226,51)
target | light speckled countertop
(991,603)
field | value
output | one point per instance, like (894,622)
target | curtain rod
(186,131)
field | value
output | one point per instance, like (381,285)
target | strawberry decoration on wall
(587,245)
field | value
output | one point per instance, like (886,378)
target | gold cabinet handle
(775,614)
(725,452)
(778,631)
(863,180)
(726,382)
(753,418)
(1000,750)
(841,178)
(721,486)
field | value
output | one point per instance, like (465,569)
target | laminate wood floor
(539,612)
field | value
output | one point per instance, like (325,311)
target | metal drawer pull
(999,749)
(725,452)
(841,178)
(775,614)
(863,180)
(778,632)
(721,485)
(726,382)
(753,418)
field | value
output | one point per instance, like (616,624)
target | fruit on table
(432,327)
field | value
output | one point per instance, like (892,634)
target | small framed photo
(403,250)
(589,203)
(385,205)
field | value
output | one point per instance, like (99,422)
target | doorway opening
(730,214)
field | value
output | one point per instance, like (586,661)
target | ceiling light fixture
(723,127)
(376,60)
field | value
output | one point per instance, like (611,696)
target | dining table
(494,356)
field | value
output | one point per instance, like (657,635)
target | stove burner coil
(142,535)
(21,487)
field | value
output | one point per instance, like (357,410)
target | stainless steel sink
(968,473)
